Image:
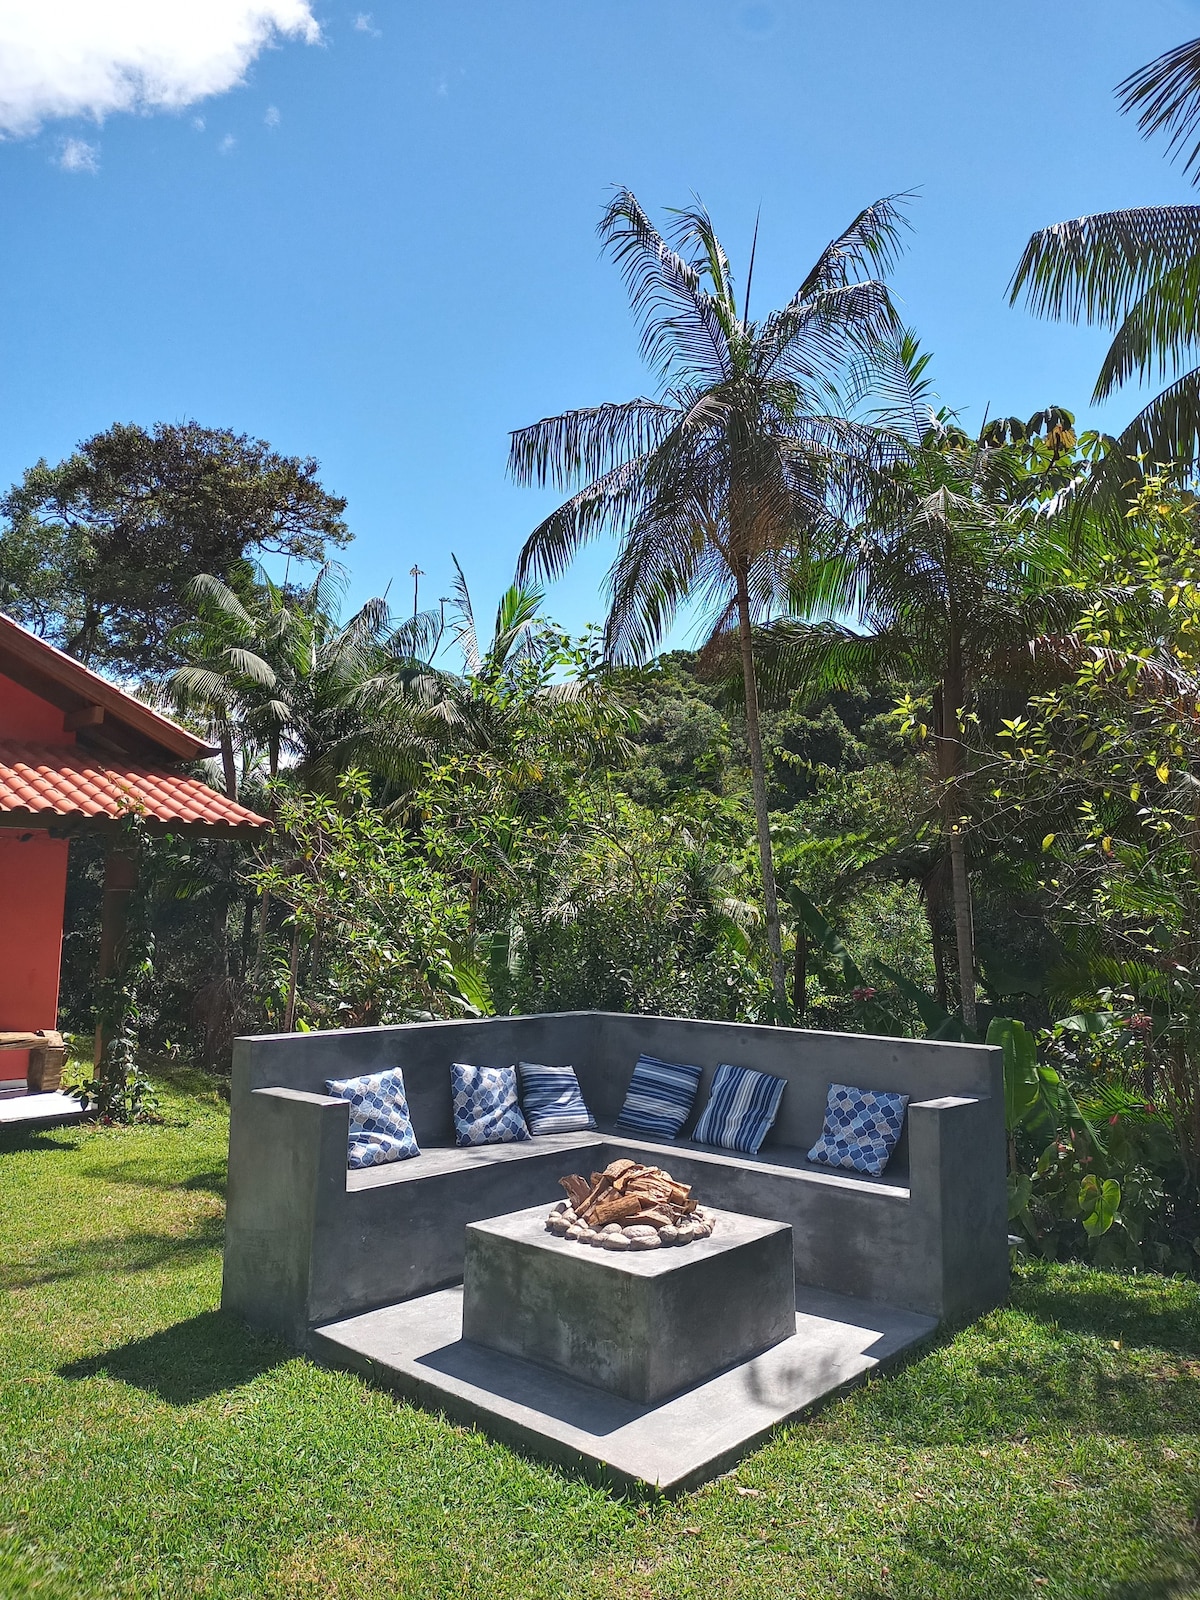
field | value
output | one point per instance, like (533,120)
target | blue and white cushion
(486,1109)
(380,1127)
(552,1099)
(741,1108)
(861,1128)
(659,1098)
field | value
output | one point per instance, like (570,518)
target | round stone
(616,1241)
(575,1231)
(687,1232)
(557,1225)
(562,1206)
(668,1235)
(643,1237)
(611,1227)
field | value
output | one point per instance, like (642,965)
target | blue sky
(379,249)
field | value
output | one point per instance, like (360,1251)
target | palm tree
(738,461)
(947,580)
(278,675)
(1138,272)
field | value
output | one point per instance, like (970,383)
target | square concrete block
(642,1324)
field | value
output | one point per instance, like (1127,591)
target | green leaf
(1022,1085)
(1098,1204)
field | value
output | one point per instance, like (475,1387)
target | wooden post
(120,880)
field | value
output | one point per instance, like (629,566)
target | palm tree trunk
(229,763)
(964,931)
(762,817)
(951,763)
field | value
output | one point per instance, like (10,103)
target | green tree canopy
(97,552)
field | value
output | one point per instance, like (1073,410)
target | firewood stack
(629,1207)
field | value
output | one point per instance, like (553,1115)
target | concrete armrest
(948,1138)
(303,1134)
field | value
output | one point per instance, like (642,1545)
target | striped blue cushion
(659,1098)
(380,1127)
(740,1110)
(552,1099)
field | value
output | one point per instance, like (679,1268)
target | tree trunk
(762,818)
(800,974)
(964,931)
(947,702)
(229,764)
(289,1016)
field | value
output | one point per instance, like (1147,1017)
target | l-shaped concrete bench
(308,1241)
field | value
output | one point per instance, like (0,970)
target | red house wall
(33,886)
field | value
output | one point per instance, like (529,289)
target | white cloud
(271,116)
(77,155)
(87,58)
(364,22)
(226,145)
(199,124)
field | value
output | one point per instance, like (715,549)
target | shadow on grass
(150,1175)
(191,1361)
(118,1253)
(14,1140)
(1165,1318)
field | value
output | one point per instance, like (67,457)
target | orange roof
(43,781)
(61,679)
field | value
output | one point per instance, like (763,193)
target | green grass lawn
(149,1446)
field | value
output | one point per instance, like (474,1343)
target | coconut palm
(1137,272)
(712,484)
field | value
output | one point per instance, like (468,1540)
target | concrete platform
(416,1349)
(49,1110)
(640,1323)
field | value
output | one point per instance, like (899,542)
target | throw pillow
(740,1110)
(486,1109)
(861,1128)
(659,1098)
(552,1099)
(380,1127)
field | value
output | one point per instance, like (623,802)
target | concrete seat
(308,1242)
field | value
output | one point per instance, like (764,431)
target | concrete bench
(308,1241)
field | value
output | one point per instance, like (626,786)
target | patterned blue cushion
(552,1100)
(485,1105)
(380,1127)
(659,1098)
(861,1128)
(740,1110)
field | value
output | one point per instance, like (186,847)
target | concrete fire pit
(643,1324)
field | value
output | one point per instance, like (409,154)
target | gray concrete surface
(416,1349)
(642,1323)
(307,1242)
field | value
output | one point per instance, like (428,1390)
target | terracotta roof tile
(65,781)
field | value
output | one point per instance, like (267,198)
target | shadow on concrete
(191,1361)
(119,1253)
(524,1383)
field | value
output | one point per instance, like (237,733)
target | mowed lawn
(149,1446)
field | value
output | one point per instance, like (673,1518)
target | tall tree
(98,550)
(946,581)
(738,460)
(1137,272)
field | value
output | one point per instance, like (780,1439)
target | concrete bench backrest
(603,1046)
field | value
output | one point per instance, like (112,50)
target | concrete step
(416,1349)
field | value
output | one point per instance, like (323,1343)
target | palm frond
(1158,332)
(682,325)
(1168,92)
(1165,432)
(1097,267)
(587,444)
(869,247)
